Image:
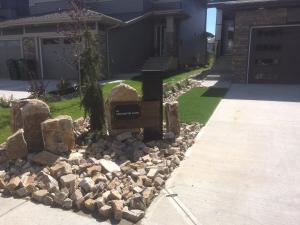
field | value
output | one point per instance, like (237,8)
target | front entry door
(159,39)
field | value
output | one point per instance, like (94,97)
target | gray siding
(192,34)
(130,47)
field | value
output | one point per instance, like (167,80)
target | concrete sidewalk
(244,168)
(22,212)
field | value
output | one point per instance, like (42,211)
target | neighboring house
(263,38)
(10,9)
(211,45)
(135,35)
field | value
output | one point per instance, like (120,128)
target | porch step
(161,64)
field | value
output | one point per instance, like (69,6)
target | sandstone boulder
(16,146)
(121,93)
(34,112)
(58,134)
(172,118)
(16,121)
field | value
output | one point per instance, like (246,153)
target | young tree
(92,99)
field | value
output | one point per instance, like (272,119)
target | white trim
(250,40)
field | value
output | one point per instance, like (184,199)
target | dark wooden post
(153,91)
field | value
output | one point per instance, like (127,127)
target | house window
(52,41)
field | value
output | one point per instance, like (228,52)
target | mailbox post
(153,92)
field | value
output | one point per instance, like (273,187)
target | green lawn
(72,108)
(198,104)
(4,124)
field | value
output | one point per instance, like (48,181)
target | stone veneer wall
(244,20)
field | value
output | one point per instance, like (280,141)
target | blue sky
(211,20)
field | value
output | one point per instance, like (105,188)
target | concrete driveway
(244,168)
(18,89)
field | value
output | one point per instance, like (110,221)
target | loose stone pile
(172,93)
(116,177)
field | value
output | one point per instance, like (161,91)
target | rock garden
(116,175)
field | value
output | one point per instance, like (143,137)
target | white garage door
(58,59)
(9,49)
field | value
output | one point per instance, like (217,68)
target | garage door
(58,59)
(275,55)
(9,49)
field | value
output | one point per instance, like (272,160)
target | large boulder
(58,134)
(34,112)
(121,93)
(16,146)
(16,121)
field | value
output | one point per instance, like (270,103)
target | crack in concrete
(17,206)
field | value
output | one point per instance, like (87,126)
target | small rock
(137,202)
(109,166)
(100,202)
(93,170)
(61,168)
(117,206)
(67,204)
(137,189)
(90,204)
(48,200)
(77,198)
(49,182)
(39,195)
(67,180)
(148,195)
(133,215)
(115,195)
(152,173)
(105,211)
(13,183)
(16,146)
(122,137)
(87,184)
(45,158)
(158,182)
(75,158)
(59,197)
(22,192)
(2,184)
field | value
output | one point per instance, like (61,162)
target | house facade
(134,35)
(263,38)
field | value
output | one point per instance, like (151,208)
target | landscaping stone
(67,180)
(34,112)
(48,182)
(61,168)
(16,146)
(172,118)
(39,195)
(133,215)
(117,206)
(87,184)
(16,121)
(90,204)
(120,93)
(105,211)
(13,183)
(109,166)
(58,134)
(45,158)
(91,179)
(67,204)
